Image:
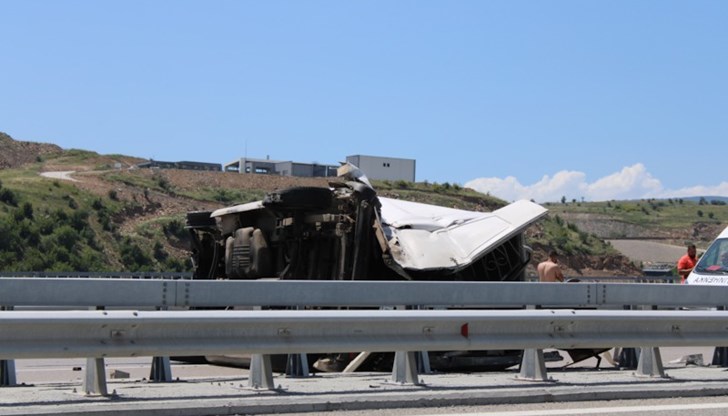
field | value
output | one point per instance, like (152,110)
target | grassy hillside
(54,225)
(674,220)
(120,219)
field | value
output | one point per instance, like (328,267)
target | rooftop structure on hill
(280,167)
(384,167)
(216,167)
(375,167)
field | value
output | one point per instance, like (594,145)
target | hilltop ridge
(131,210)
(17,153)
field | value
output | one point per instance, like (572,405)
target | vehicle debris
(348,232)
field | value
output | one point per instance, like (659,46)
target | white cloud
(632,182)
(700,190)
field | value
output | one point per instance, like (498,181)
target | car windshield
(715,259)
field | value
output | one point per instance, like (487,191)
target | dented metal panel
(428,237)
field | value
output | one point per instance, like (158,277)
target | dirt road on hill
(648,252)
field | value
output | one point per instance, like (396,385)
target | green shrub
(223,195)
(7,196)
(27,210)
(88,260)
(133,257)
(175,228)
(79,219)
(159,253)
(98,204)
(66,237)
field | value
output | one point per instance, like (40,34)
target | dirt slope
(16,153)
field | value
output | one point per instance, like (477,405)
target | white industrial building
(375,167)
(384,168)
(280,167)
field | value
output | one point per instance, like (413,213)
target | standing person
(549,270)
(686,263)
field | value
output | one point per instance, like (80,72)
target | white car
(712,267)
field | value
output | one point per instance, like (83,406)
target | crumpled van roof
(425,237)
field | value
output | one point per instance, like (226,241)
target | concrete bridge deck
(54,388)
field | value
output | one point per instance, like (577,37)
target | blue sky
(523,99)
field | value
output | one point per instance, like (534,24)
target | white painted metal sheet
(426,237)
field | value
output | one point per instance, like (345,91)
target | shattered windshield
(715,260)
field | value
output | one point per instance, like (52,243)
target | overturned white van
(347,232)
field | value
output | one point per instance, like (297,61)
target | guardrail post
(422,357)
(404,370)
(628,358)
(7,373)
(720,357)
(95,378)
(94,381)
(7,367)
(261,372)
(650,360)
(720,354)
(297,365)
(650,363)
(628,355)
(533,366)
(423,362)
(161,370)
(406,363)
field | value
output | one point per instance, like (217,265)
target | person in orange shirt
(549,270)
(686,263)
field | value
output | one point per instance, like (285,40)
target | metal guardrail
(69,292)
(102,275)
(616,279)
(68,334)
(108,337)
(188,276)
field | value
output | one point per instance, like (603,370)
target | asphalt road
(702,406)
